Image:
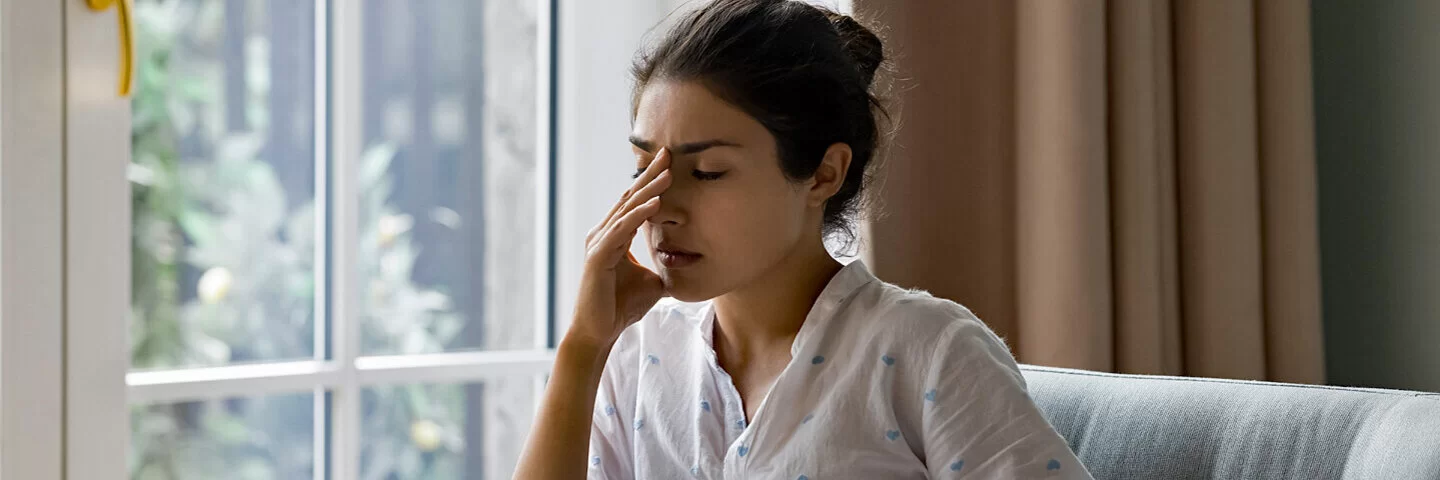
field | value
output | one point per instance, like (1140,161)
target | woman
(754,129)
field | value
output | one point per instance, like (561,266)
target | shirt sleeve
(611,455)
(979,420)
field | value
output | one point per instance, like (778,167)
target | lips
(667,247)
(672,256)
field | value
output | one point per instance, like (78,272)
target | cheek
(753,223)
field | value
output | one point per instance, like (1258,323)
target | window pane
(445,431)
(242,439)
(448,181)
(223,178)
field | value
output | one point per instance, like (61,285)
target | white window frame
(31,232)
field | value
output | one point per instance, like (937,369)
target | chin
(682,289)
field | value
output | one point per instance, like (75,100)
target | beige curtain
(1120,186)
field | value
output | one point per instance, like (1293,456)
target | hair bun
(862,45)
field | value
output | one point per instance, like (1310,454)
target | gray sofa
(1157,427)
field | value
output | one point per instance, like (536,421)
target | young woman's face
(728,202)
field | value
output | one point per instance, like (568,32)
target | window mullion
(322,160)
(345,113)
(229,381)
(95,254)
(545,215)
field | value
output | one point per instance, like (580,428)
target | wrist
(584,333)
(585,346)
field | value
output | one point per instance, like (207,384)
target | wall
(1377,99)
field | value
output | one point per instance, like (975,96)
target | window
(340,223)
(321,238)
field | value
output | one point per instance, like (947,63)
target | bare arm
(559,441)
(615,292)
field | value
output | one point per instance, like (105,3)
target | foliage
(224,272)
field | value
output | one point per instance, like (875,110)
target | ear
(831,174)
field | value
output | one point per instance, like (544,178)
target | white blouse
(883,382)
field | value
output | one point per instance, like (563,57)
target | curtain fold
(1061,184)
(1142,172)
(1155,209)
(1293,329)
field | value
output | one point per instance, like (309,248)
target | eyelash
(699,175)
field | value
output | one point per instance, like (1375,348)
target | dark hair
(802,71)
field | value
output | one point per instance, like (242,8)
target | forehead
(676,112)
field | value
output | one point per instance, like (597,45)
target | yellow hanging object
(127,40)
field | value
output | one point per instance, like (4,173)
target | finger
(589,236)
(620,233)
(627,199)
(647,192)
(612,243)
(659,164)
(627,225)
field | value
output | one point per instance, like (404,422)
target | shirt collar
(841,287)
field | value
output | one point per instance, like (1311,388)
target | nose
(672,206)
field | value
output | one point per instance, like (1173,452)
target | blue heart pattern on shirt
(654,360)
(892,435)
(1053,465)
(609,410)
(639,424)
(595,461)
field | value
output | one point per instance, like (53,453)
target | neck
(762,318)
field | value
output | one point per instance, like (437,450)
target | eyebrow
(684,148)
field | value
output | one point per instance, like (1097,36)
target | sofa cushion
(1160,427)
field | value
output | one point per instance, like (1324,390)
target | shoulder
(942,335)
(914,315)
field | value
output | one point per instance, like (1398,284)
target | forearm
(560,439)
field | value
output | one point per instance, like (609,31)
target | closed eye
(707,176)
(698,174)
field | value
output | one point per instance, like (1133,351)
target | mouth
(674,257)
